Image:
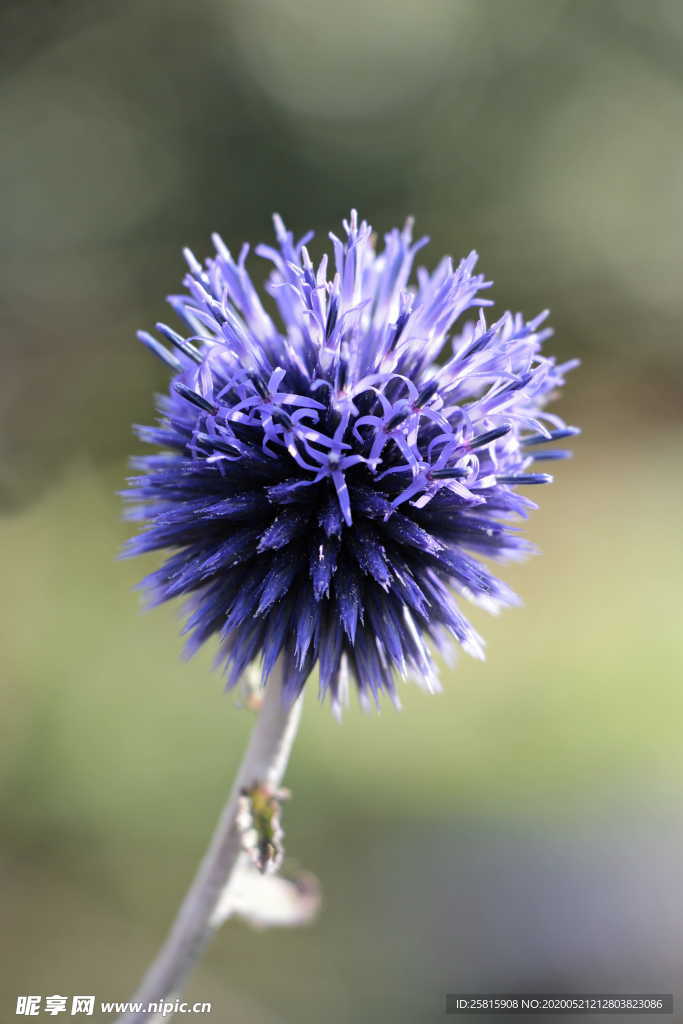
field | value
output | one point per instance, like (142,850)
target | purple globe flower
(332,473)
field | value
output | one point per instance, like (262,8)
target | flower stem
(263,764)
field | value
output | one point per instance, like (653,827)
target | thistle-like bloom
(331,472)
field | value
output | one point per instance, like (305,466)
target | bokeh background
(523,830)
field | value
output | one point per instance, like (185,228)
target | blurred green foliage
(495,834)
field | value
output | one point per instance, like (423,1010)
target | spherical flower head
(332,470)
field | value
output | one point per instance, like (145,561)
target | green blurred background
(524,829)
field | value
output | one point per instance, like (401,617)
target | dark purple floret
(330,476)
